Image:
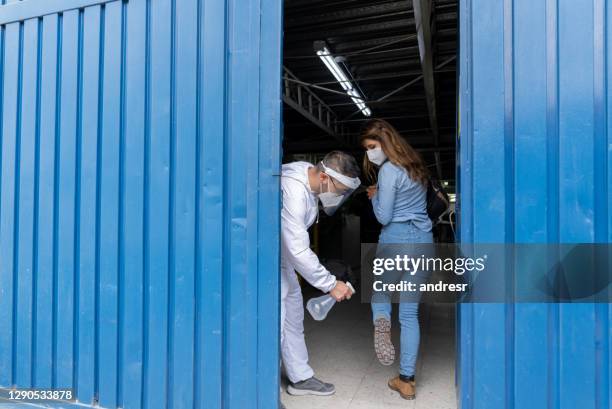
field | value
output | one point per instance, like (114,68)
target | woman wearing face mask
(400,205)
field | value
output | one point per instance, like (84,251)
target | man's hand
(371,191)
(341,291)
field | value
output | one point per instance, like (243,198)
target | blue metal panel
(45,260)
(26,187)
(268,283)
(156,262)
(109,146)
(535,168)
(139,200)
(209,310)
(132,239)
(86,210)
(8,195)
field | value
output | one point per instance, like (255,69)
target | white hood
(297,171)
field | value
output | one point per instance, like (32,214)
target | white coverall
(299,212)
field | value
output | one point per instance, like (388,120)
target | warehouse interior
(399,58)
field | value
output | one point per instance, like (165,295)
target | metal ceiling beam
(309,85)
(422,18)
(399,25)
(394,117)
(349,46)
(384,67)
(378,77)
(411,98)
(333,24)
(413,81)
(299,6)
(345,14)
(373,50)
(383,56)
(351,30)
(317,146)
(392,75)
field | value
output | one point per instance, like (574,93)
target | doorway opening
(344,63)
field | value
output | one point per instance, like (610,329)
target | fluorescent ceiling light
(343,79)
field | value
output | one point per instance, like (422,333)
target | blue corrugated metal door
(535,167)
(139,200)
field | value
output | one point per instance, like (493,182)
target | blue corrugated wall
(139,200)
(535,166)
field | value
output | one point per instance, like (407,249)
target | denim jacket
(399,198)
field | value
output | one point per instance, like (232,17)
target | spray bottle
(319,307)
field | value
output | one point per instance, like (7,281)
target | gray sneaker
(311,386)
(281,406)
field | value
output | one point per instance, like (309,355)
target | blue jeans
(399,233)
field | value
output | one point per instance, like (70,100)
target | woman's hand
(371,191)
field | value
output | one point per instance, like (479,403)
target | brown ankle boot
(406,390)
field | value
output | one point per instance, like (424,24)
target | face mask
(330,201)
(376,156)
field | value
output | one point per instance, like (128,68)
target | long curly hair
(398,151)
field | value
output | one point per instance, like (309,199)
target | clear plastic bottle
(319,307)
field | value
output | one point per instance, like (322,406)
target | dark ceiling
(380,44)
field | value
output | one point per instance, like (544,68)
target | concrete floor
(341,352)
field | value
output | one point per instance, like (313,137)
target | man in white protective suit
(303,185)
